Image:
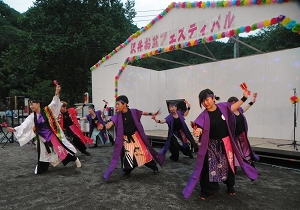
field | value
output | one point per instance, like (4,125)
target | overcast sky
(146,9)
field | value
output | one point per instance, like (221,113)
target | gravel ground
(67,187)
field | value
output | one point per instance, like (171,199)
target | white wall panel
(273,76)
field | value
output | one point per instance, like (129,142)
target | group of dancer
(221,130)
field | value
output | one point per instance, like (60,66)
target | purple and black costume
(118,122)
(241,138)
(204,121)
(178,133)
(92,125)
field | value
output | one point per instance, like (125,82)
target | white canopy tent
(272,75)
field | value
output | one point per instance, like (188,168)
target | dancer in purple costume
(241,132)
(95,119)
(131,142)
(215,158)
(179,136)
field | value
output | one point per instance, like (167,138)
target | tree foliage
(59,39)
(268,39)
(62,39)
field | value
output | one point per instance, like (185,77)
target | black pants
(76,141)
(151,164)
(209,188)
(42,167)
(175,148)
(68,159)
(111,139)
(78,144)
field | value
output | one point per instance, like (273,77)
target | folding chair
(3,136)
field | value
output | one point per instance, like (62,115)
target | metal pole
(295,122)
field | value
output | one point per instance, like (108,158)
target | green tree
(61,40)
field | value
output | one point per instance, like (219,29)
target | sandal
(231,191)
(204,198)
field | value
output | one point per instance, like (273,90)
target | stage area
(265,147)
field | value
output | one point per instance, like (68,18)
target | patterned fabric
(118,121)
(55,137)
(203,121)
(54,125)
(135,152)
(217,161)
(243,147)
(229,152)
(59,148)
(103,138)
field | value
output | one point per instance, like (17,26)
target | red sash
(59,149)
(183,137)
(229,152)
(75,128)
(77,131)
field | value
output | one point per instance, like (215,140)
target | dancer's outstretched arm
(160,121)
(237,104)
(108,126)
(188,109)
(80,107)
(245,108)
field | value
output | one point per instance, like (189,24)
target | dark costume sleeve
(249,170)
(203,121)
(101,121)
(254,156)
(170,121)
(117,120)
(91,126)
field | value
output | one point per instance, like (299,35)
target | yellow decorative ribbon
(53,123)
